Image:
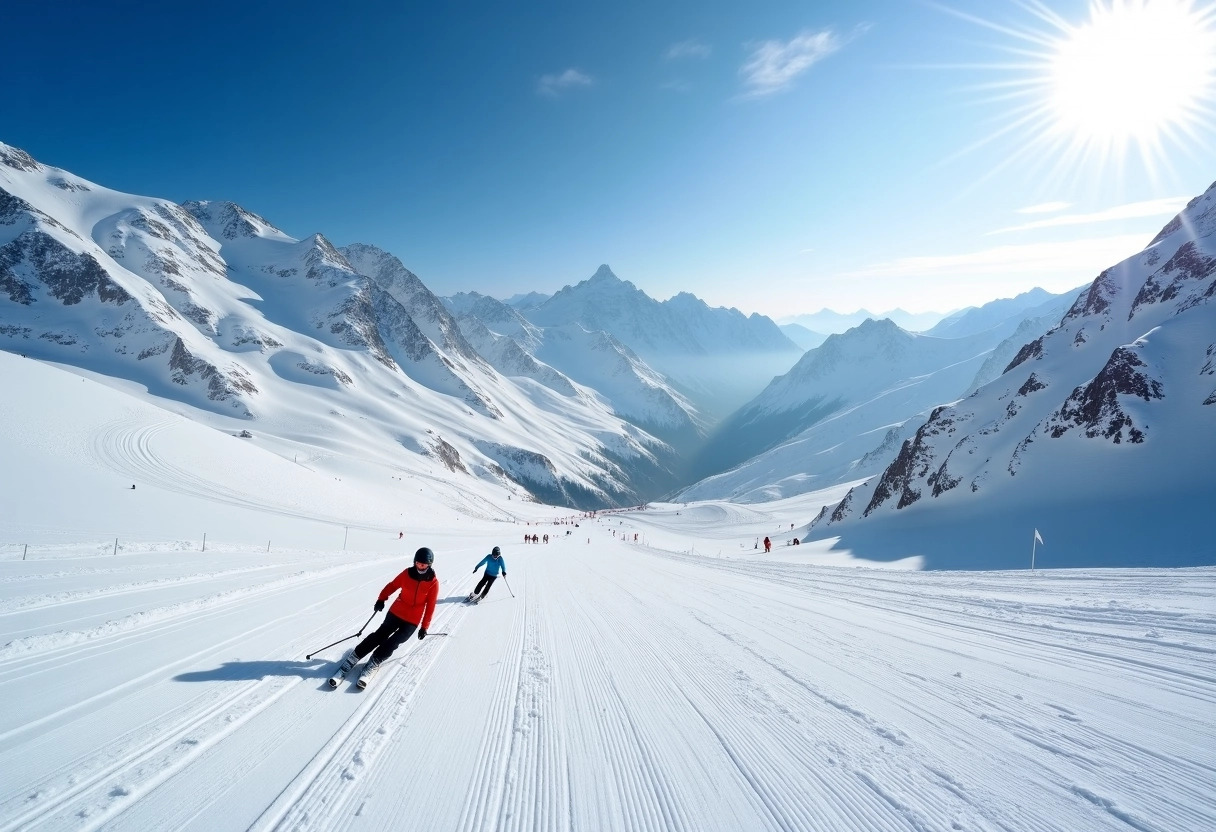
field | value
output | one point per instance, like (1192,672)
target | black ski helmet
(496,552)
(424,555)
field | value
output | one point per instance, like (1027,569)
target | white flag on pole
(1038,536)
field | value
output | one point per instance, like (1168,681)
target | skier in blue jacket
(494,563)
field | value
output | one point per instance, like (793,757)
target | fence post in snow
(267,545)
(25,550)
(116,547)
(204,541)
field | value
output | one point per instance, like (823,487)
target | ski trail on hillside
(536,788)
(636,789)
(322,793)
(19,604)
(488,782)
(17,649)
(777,743)
(131,449)
(1049,738)
(113,778)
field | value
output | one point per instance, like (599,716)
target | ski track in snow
(123,447)
(321,794)
(622,689)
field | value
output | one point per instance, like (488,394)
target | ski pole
(339,641)
(504,580)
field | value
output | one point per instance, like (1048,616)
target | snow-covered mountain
(1039,319)
(1101,432)
(841,412)
(834,323)
(209,306)
(838,403)
(633,389)
(1005,312)
(719,358)
(527,301)
(803,337)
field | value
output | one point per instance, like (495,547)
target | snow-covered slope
(633,389)
(210,306)
(720,358)
(649,671)
(1038,321)
(845,408)
(837,404)
(975,319)
(1113,410)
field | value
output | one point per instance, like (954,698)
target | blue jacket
(493,565)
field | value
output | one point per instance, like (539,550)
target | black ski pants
(388,637)
(486,581)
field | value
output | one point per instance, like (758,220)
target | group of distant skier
(418,593)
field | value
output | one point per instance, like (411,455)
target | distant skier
(494,563)
(768,545)
(411,611)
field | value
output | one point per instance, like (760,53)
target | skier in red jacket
(419,592)
(768,544)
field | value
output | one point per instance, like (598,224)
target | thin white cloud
(554,85)
(774,64)
(676,85)
(691,48)
(1044,208)
(1085,257)
(1133,210)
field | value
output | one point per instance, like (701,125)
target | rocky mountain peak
(17,158)
(604,275)
(229,221)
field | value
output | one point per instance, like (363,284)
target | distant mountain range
(829,322)
(599,395)
(718,358)
(802,336)
(1101,432)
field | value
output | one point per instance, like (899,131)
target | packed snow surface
(649,669)
(622,686)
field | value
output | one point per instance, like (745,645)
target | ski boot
(369,670)
(348,662)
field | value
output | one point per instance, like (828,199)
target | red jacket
(419,594)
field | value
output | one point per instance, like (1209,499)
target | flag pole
(1033,541)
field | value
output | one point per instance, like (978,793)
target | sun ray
(1130,86)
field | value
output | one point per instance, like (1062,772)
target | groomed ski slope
(623,687)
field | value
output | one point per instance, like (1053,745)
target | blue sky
(777,157)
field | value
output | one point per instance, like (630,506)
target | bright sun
(1135,79)
(1135,71)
